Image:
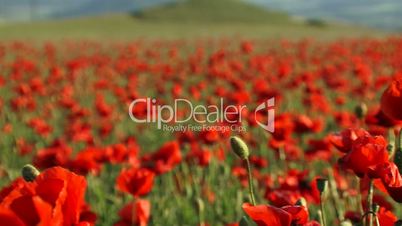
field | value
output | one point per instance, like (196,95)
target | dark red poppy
(391,99)
(9,218)
(376,117)
(299,214)
(135,181)
(391,178)
(282,197)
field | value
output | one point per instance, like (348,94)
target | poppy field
(71,154)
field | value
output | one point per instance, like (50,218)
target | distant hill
(24,10)
(374,13)
(182,19)
(101,6)
(214,11)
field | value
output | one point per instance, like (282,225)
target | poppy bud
(200,205)
(322,185)
(390,148)
(301,202)
(29,173)
(346,223)
(239,147)
(361,110)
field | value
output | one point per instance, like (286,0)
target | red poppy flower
(167,157)
(9,218)
(299,214)
(137,213)
(135,181)
(200,156)
(304,124)
(391,99)
(319,149)
(209,136)
(282,197)
(55,197)
(40,126)
(391,178)
(55,155)
(266,215)
(247,47)
(343,141)
(87,160)
(28,210)
(386,217)
(367,151)
(376,117)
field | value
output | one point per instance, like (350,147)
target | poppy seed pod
(390,149)
(322,185)
(346,223)
(29,173)
(301,202)
(239,147)
(361,110)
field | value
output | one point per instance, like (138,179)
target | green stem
(282,157)
(370,202)
(324,223)
(398,151)
(250,182)
(201,208)
(320,218)
(335,197)
(398,139)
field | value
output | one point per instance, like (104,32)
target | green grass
(125,27)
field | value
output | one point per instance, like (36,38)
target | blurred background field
(134,48)
(181,19)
